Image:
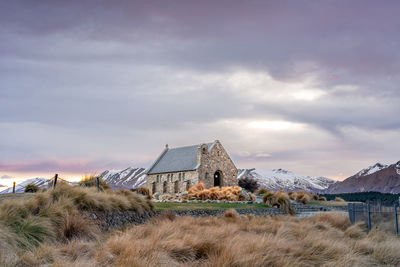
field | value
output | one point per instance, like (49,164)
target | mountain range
(125,179)
(379,178)
(279,179)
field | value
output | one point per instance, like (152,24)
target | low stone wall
(109,220)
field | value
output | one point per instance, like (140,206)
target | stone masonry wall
(216,160)
(190,176)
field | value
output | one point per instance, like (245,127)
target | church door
(217,178)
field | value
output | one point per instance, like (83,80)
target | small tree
(248,184)
(31,188)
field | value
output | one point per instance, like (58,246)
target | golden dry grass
(230,240)
(230,193)
(279,199)
(28,225)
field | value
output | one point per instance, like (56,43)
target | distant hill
(279,179)
(20,188)
(129,178)
(378,178)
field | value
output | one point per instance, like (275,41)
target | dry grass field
(48,229)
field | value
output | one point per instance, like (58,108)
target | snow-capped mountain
(20,188)
(379,178)
(371,169)
(279,179)
(129,178)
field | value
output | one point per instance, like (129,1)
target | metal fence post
(396,219)
(369,217)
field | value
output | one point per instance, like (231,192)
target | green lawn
(205,206)
(328,203)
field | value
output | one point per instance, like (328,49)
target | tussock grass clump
(304,197)
(90,181)
(144,191)
(31,188)
(339,199)
(230,193)
(279,199)
(322,199)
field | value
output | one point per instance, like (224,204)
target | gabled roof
(177,159)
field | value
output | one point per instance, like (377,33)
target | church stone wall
(216,160)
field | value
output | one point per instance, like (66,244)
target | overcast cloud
(310,86)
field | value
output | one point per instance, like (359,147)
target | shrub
(279,199)
(230,193)
(303,197)
(338,199)
(322,198)
(31,188)
(292,195)
(248,184)
(90,181)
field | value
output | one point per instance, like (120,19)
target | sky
(308,86)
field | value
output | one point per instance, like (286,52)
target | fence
(51,184)
(376,216)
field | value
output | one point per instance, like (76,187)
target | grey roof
(177,159)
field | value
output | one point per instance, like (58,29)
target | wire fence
(376,215)
(52,183)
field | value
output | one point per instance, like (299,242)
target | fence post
(13,187)
(350,211)
(369,217)
(396,219)
(98,184)
(55,181)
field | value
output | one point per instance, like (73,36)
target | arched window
(176,187)
(187,185)
(165,190)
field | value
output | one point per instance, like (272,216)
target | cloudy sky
(309,86)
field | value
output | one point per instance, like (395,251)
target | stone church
(178,169)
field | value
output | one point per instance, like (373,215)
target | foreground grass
(229,240)
(165,206)
(15,196)
(29,222)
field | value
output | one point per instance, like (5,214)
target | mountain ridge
(379,178)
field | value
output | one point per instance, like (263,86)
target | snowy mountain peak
(371,169)
(128,178)
(279,179)
(282,171)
